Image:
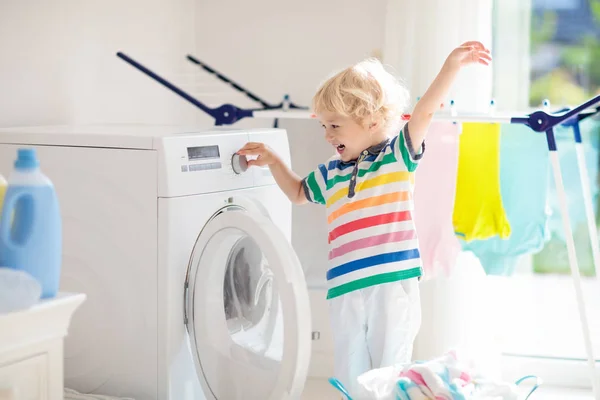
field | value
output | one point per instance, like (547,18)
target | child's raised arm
(468,53)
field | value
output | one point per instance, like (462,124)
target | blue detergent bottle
(30,224)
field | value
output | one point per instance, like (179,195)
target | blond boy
(367,187)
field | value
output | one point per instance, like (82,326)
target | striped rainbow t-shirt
(372,236)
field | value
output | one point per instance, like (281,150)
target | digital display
(203,152)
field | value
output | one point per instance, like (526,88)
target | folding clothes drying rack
(539,121)
(225,114)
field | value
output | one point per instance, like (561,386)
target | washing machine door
(247,310)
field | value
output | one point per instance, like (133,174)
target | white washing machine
(194,291)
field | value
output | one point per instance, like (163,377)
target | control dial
(239,164)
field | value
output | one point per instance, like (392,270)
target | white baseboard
(553,372)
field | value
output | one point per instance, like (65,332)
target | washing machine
(193,289)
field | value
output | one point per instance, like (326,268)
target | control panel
(207,162)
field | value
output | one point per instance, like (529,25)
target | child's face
(348,137)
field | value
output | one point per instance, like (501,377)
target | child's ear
(373,125)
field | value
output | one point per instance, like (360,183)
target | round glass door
(251,303)
(247,310)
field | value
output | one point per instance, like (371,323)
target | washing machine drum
(248,294)
(247,310)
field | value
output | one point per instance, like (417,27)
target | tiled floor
(321,390)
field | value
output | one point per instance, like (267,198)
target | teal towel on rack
(524,184)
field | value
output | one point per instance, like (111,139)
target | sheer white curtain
(511,50)
(420,35)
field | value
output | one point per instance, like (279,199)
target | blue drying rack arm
(233,84)
(265,105)
(224,115)
(541,121)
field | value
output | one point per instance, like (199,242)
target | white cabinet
(25,379)
(31,349)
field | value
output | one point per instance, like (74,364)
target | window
(557,4)
(550,49)
(546,49)
(565,51)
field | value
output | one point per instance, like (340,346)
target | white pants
(374,328)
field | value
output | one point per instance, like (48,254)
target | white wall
(58,61)
(280,47)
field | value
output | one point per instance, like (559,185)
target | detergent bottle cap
(26,159)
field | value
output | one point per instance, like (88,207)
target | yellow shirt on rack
(478,210)
(3,186)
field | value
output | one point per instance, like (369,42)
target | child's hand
(469,53)
(265,155)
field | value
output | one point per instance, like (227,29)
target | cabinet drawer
(26,379)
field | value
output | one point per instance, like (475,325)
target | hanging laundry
(524,185)
(434,200)
(478,210)
(553,258)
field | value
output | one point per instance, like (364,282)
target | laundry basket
(402,395)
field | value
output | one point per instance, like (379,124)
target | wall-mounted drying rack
(225,114)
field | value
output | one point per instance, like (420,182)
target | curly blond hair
(365,92)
